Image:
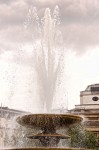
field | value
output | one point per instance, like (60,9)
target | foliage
(81,138)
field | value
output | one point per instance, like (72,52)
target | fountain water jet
(48,56)
(48,67)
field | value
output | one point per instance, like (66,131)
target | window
(95,98)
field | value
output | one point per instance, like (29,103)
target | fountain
(48,123)
(48,68)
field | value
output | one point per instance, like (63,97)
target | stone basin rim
(56,116)
(39,120)
(44,149)
(52,115)
(40,135)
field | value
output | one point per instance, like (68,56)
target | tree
(81,138)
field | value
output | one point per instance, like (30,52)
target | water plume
(47,53)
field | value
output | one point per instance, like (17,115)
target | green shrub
(81,138)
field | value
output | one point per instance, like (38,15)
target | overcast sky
(80,30)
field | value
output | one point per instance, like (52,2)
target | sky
(80,30)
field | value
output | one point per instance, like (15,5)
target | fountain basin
(49,139)
(48,120)
(48,124)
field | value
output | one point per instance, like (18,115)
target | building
(89,108)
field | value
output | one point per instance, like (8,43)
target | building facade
(89,109)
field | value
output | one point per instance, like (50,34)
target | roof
(6,109)
(92,87)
